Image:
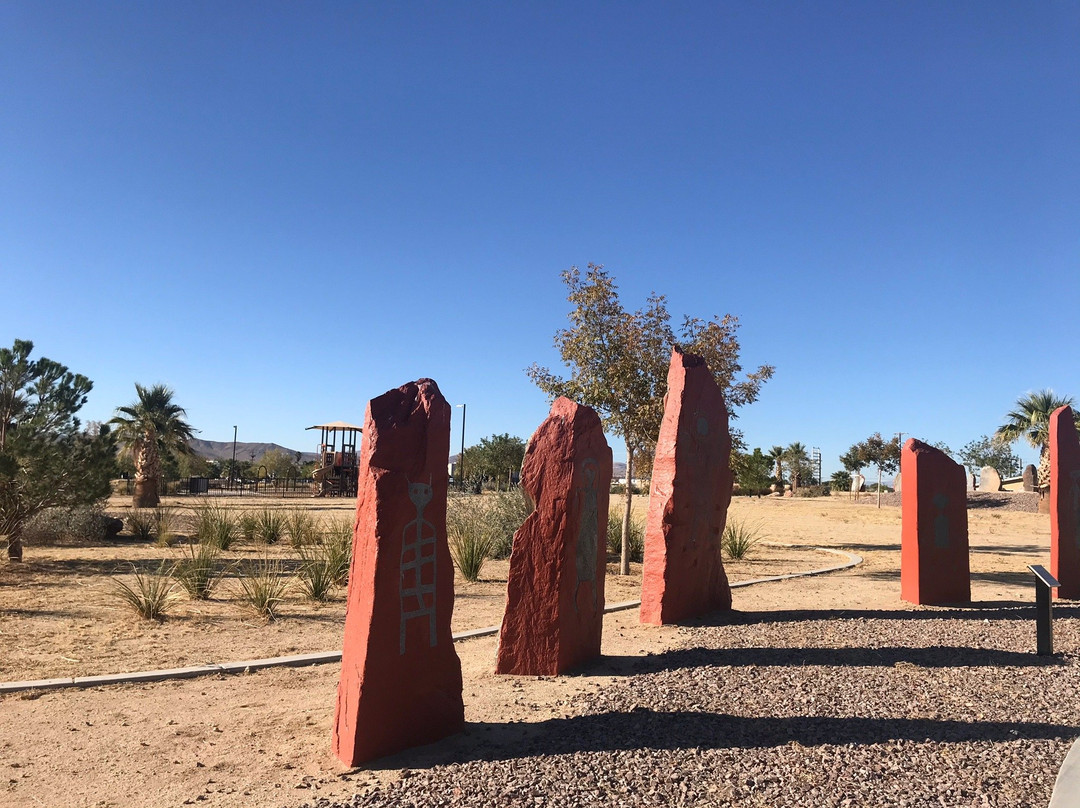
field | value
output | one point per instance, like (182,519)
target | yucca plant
(216,525)
(165,520)
(472,535)
(151,595)
(300,525)
(636,537)
(263,588)
(337,538)
(197,572)
(317,571)
(247,525)
(142,524)
(739,538)
(269,525)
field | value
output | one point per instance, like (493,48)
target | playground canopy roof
(336,425)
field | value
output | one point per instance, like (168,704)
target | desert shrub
(301,527)
(269,525)
(86,523)
(247,525)
(739,538)
(165,523)
(337,538)
(636,537)
(197,572)
(263,588)
(141,524)
(216,525)
(319,569)
(151,595)
(812,491)
(506,512)
(471,533)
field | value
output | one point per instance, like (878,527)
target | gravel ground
(919,708)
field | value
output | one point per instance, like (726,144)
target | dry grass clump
(151,595)
(739,538)
(216,525)
(197,572)
(263,588)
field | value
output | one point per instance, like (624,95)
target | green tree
(618,363)
(797,462)
(496,458)
(45,459)
(753,472)
(1031,421)
(279,464)
(840,481)
(776,457)
(149,428)
(986,451)
(876,451)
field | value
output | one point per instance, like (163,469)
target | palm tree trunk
(624,560)
(147,473)
(15,548)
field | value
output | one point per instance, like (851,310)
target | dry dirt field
(263,738)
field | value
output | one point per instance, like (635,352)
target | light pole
(232,468)
(461,457)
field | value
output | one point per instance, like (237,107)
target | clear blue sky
(282,210)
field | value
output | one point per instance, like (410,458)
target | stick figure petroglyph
(418,565)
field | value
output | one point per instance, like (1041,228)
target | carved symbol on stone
(588,529)
(418,565)
(941,521)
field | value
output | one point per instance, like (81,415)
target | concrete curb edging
(324,658)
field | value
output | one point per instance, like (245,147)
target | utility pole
(232,468)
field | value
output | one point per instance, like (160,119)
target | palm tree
(797,459)
(1031,421)
(776,455)
(149,427)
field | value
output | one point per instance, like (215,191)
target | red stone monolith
(555,592)
(1065,503)
(934,564)
(683,574)
(400,680)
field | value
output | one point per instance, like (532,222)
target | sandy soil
(263,738)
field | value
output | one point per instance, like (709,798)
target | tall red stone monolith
(1065,503)
(683,574)
(934,565)
(555,592)
(400,680)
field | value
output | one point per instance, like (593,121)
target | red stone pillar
(1065,503)
(555,592)
(683,573)
(400,680)
(934,565)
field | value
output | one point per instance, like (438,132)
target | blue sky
(283,210)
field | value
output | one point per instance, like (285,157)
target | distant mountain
(223,450)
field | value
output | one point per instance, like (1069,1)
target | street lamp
(461,457)
(232,468)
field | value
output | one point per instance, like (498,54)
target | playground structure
(335,475)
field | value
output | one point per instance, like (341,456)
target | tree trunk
(146,494)
(624,564)
(147,473)
(15,547)
(879,486)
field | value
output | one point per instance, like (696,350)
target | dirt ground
(264,738)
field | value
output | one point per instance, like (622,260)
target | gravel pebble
(933,707)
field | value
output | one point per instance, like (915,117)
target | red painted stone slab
(555,592)
(934,565)
(400,680)
(1065,503)
(683,574)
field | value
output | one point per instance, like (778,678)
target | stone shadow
(644,728)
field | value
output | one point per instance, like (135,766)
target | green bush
(216,525)
(263,588)
(198,571)
(319,569)
(151,596)
(636,537)
(337,538)
(85,523)
(301,527)
(269,525)
(739,538)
